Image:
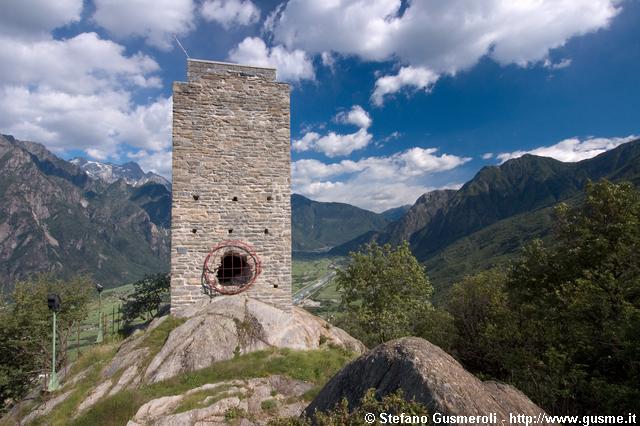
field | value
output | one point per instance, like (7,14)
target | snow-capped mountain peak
(130,172)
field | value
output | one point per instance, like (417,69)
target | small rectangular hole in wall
(269,198)
(234,199)
(231,231)
(266,231)
(196,197)
(194,230)
(275,286)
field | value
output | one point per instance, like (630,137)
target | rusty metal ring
(231,267)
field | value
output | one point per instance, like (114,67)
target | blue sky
(390,98)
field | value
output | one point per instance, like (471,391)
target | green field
(308,271)
(85,336)
(305,272)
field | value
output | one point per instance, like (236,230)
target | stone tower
(231,210)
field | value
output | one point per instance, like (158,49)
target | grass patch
(269,405)
(95,358)
(234,414)
(311,366)
(197,399)
(155,339)
(111,302)
(115,410)
(94,355)
(311,393)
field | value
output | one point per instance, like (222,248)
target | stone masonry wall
(230,139)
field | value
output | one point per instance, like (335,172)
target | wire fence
(86,332)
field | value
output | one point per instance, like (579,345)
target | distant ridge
(56,218)
(112,221)
(318,226)
(130,172)
(489,218)
(396,213)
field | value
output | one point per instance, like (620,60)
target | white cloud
(95,123)
(157,162)
(563,63)
(154,20)
(306,171)
(359,27)
(305,143)
(291,65)
(418,161)
(97,154)
(356,116)
(488,156)
(418,78)
(571,150)
(444,37)
(335,144)
(230,12)
(35,18)
(375,183)
(82,64)
(328,60)
(78,94)
(390,137)
(148,126)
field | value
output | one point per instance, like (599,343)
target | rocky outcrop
(225,326)
(41,410)
(255,401)
(216,330)
(94,395)
(427,375)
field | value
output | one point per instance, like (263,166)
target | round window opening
(231,267)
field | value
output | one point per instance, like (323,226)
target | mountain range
(489,219)
(113,221)
(130,172)
(318,226)
(54,217)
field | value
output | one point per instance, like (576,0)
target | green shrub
(26,330)
(343,415)
(269,405)
(563,325)
(384,293)
(148,294)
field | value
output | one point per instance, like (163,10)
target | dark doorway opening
(234,269)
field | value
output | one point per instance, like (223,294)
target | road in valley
(311,289)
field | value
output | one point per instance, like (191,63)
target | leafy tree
(565,326)
(148,294)
(436,325)
(25,330)
(578,305)
(385,291)
(476,304)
